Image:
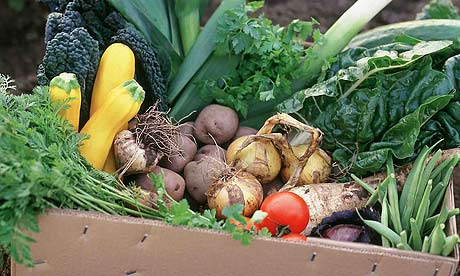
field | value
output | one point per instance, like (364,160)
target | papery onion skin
(260,158)
(317,169)
(235,188)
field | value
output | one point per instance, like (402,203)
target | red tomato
(285,209)
(294,237)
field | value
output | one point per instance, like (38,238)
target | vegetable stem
(339,35)
(188,15)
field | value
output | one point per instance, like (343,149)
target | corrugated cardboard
(87,243)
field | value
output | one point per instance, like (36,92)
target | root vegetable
(326,198)
(212,151)
(317,169)
(235,187)
(133,156)
(186,129)
(244,131)
(260,158)
(174,183)
(177,162)
(216,124)
(199,175)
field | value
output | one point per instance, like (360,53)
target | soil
(22,33)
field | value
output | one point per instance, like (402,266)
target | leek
(188,16)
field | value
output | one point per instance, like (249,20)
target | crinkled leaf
(439,9)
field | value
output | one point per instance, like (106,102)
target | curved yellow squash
(105,123)
(116,66)
(63,87)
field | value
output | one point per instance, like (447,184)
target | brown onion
(260,158)
(317,169)
(235,187)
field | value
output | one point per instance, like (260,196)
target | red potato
(212,151)
(174,183)
(244,131)
(186,128)
(199,175)
(177,163)
(216,124)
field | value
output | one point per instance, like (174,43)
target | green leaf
(200,52)
(375,102)
(151,19)
(439,9)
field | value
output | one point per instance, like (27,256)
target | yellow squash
(104,124)
(116,66)
(64,87)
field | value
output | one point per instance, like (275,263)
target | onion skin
(235,188)
(317,169)
(260,158)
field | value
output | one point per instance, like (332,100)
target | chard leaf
(375,102)
(439,9)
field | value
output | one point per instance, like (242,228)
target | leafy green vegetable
(6,84)
(439,9)
(188,15)
(375,102)
(269,57)
(150,18)
(202,49)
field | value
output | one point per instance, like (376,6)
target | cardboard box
(87,243)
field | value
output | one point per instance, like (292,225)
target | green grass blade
(201,50)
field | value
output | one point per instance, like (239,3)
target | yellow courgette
(116,66)
(64,87)
(104,124)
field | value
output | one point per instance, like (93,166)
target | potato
(212,151)
(244,131)
(174,183)
(199,175)
(216,124)
(186,129)
(177,163)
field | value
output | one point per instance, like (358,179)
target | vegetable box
(87,243)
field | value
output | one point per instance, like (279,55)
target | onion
(235,187)
(317,169)
(260,158)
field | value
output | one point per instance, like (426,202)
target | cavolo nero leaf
(375,102)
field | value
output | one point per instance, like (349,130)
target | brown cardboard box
(87,243)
